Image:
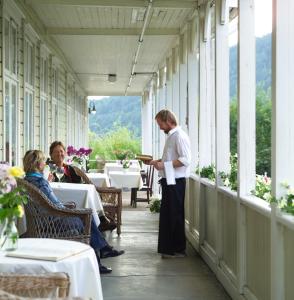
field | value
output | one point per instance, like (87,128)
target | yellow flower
(20,211)
(16,172)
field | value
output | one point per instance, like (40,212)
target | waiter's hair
(32,160)
(167,115)
(55,144)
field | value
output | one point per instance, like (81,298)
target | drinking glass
(59,173)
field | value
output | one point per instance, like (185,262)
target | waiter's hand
(158,165)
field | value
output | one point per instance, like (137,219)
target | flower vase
(9,235)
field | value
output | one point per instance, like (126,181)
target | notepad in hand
(144,157)
(42,253)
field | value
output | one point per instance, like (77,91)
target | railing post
(246,126)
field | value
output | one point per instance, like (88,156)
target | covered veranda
(175,54)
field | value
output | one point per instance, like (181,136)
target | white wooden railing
(236,237)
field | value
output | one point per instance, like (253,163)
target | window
(55,84)
(29,63)
(28,121)
(10,122)
(10,46)
(44,75)
(54,120)
(43,124)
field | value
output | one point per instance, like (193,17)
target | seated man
(34,163)
(57,153)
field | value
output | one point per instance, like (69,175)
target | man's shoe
(180,254)
(104,270)
(106,224)
(167,255)
(110,253)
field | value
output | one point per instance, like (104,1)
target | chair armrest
(70,204)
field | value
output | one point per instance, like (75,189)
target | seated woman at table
(57,153)
(34,164)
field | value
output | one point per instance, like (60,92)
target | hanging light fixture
(92,108)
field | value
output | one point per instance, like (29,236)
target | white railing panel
(229,207)
(210,214)
(258,258)
(289,263)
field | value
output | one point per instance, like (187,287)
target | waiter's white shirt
(177,147)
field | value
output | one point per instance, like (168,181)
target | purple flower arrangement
(80,152)
(79,157)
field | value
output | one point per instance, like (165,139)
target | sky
(263,21)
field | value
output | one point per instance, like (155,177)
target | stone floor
(141,274)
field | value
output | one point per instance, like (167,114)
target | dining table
(99,179)
(84,195)
(78,260)
(116,166)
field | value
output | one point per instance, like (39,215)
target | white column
(146,123)
(222,100)
(193,91)
(176,82)
(282,127)
(246,127)
(205,130)
(222,107)
(183,98)
(169,91)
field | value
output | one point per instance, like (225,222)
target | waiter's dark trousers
(171,236)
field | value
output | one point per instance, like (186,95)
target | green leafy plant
(286,202)
(207,172)
(11,200)
(121,140)
(263,187)
(231,179)
(155,205)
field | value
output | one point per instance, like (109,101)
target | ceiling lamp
(92,108)
(112,78)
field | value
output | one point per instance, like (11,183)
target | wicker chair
(53,285)
(45,220)
(111,200)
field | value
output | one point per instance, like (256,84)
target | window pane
(6,43)
(31,75)
(13,50)
(13,124)
(7,122)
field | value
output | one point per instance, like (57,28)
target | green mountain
(263,64)
(117,111)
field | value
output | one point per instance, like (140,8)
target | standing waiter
(173,169)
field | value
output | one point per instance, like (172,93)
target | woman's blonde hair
(167,115)
(32,160)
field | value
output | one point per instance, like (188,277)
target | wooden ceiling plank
(111,31)
(115,3)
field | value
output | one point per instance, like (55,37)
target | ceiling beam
(118,3)
(110,31)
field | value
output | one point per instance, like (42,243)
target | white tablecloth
(82,268)
(84,195)
(99,179)
(109,167)
(121,179)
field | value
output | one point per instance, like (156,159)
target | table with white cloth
(112,167)
(84,195)
(99,179)
(81,267)
(126,179)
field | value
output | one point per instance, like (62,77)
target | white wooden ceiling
(100,37)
